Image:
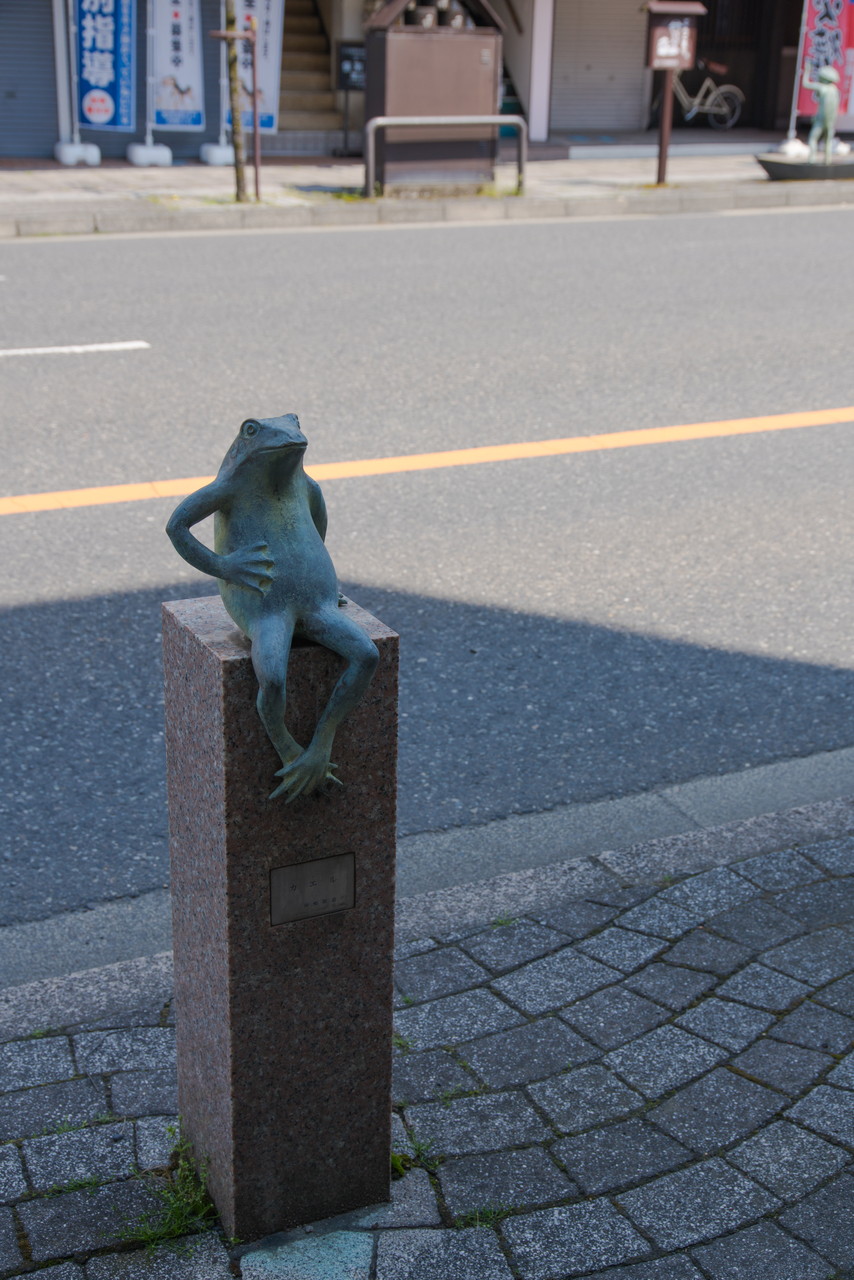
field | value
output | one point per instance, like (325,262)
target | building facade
(35,80)
(577,66)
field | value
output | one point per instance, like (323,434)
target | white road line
(75,351)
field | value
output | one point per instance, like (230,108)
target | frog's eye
(250,429)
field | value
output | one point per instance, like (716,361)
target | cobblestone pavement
(646,1084)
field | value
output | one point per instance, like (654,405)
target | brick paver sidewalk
(646,1084)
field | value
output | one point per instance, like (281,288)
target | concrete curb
(120,217)
(129,986)
(112,991)
(447,910)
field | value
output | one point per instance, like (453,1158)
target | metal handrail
(382,122)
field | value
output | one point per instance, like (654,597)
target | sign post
(672,47)
(269,16)
(826,40)
(102,73)
(221,151)
(149,152)
(665,126)
(351,64)
(250,36)
(70,150)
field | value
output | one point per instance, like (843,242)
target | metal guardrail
(383,122)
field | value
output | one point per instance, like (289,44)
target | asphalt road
(574,628)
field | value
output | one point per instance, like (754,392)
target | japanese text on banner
(270,16)
(179,94)
(106,58)
(829,42)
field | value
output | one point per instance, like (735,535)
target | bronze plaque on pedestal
(312,888)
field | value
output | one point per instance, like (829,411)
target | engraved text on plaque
(312,888)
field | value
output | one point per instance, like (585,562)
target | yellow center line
(104,494)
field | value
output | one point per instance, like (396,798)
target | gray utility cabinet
(434,60)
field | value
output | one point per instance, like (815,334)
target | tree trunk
(236,117)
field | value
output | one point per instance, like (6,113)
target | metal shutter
(598,72)
(27,79)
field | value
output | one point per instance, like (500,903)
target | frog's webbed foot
(310,770)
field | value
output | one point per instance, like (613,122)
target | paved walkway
(645,1076)
(43,198)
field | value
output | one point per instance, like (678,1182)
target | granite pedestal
(284,1029)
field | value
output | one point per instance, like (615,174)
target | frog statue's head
(261,439)
(829,75)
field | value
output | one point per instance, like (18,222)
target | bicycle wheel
(725,108)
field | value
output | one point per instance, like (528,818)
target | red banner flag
(829,41)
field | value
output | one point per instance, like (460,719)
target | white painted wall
(517,46)
(528,58)
(539,110)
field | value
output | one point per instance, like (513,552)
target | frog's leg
(339,633)
(271,646)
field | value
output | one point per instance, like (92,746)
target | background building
(575,66)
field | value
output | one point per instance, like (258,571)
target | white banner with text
(179,86)
(270,17)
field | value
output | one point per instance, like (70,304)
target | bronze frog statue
(277,581)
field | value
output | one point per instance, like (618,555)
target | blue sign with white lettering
(106,63)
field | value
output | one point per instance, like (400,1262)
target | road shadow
(501,712)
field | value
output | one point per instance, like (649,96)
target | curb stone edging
(639,864)
(130,985)
(113,990)
(119,217)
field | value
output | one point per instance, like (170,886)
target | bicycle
(721,103)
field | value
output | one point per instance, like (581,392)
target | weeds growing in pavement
(186,1206)
(487,1217)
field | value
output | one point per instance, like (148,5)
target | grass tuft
(186,1206)
(489,1216)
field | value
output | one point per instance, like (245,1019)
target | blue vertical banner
(106,63)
